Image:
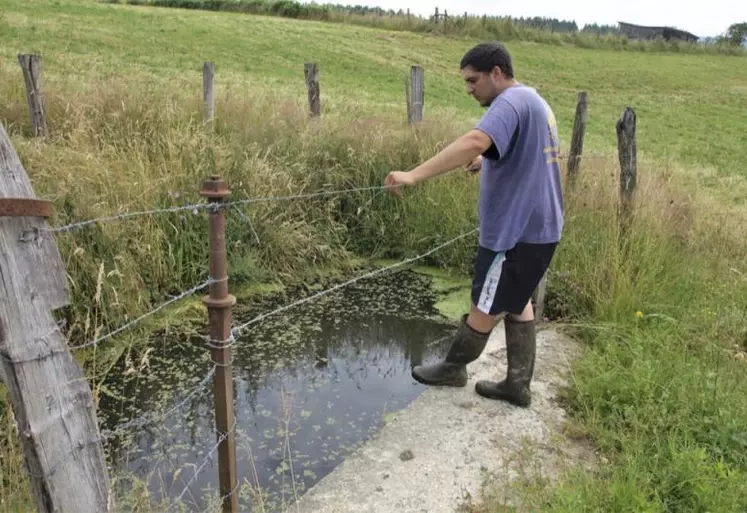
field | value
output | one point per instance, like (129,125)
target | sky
(701,17)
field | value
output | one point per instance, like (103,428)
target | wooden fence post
(415,95)
(577,140)
(626,148)
(208,82)
(52,401)
(311,74)
(539,299)
(219,303)
(31,66)
(435,16)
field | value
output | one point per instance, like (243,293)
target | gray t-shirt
(520,189)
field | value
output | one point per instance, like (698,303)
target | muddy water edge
(311,385)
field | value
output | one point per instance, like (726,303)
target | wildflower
(639,314)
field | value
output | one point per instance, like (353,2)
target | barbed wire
(54,468)
(224,205)
(206,206)
(144,420)
(127,215)
(139,422)
(235,331)
(199,469)
(249,221)
(174,299)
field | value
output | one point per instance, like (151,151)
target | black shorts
(505,281)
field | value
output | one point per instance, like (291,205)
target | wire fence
(144,420)
(235,331)
(197,207)
(238,329)
(198,470)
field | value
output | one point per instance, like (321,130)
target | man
(520,220)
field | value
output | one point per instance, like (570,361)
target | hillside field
(661,389)
(690,106)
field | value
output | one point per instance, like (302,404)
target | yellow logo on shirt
(552,151)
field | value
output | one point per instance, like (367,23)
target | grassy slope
(659,394)
(690,106)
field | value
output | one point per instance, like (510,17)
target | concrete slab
(435,455)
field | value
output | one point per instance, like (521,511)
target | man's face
(483,86)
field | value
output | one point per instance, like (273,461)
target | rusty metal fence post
(219,303)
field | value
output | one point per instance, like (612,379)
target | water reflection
(309,388)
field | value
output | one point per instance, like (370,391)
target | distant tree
(600,29)
(551,24)
(736,33)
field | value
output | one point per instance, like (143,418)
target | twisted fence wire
(238,329)
(214,206)
(127,215)
(204,206)
(249,221)
(208,458)
(209,206)
(127,326)
(144,420)
(54,468)
(139,422)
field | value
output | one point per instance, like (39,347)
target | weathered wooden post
(208,82)
(539,299)
(577,139)
(31,66)
(626,148)
(219,303)
(415,91)
(311,74)
(435,16)
(52,401)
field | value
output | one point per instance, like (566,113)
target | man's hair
(485,56)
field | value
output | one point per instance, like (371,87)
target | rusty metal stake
(219,303)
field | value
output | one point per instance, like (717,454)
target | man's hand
(475,165)
(396,179)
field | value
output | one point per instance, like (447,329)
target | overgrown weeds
(661,390)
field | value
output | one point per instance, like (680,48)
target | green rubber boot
(466,347)
(521,346)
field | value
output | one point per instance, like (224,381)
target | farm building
(666,33)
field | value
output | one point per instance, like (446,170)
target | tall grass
(660,391)
(501,28)
(119,147)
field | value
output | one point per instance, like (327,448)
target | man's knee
(481,321)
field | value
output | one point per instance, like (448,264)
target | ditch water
(311,385)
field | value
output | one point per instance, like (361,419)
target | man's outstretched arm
(461,152)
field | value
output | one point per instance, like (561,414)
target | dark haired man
(520,220)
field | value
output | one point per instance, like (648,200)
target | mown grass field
(691,106)
(661,391)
